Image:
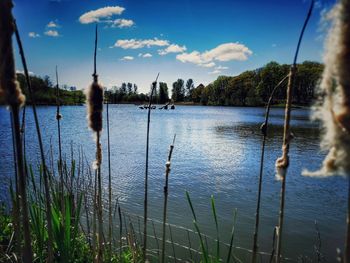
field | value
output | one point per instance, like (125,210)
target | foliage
(253,87)
(45,92)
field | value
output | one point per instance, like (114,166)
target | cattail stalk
(282,163)
(109,183)
(263,129)
(41,147)
(94,98)
(58,118)
(167,172)
(10,90)
(144,248)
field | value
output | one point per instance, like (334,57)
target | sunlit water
(217,152)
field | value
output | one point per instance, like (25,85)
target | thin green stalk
(99,209)
(203,247)
(16,208)
(58,118)
(109,183)
(232,236)
(144,248)
(166,192)
(216,228)
(41,147)
(263,128)
(283,162)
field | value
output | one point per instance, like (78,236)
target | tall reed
(109,182)
(94,97)
(58,118)
(41,147)
(263,129)
(282,162)
(10,90)
(145,214)
(167,172)
(333,108)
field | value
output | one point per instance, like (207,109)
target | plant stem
(144,248)
(167,172)
(283,162)
(41,147)
(58,118)
(264,132)
(109,184)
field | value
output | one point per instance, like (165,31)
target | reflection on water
(217,151)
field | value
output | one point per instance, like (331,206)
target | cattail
(333,108)
(282,163)
(10,90)
(94,97)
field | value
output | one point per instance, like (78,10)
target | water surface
(217,152)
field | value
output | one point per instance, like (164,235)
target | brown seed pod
(94,97)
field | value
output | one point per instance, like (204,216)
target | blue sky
(180,39)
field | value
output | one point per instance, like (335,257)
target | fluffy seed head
(333,108)
(94,97)
(9,87)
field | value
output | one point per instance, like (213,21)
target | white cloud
(52,33)
(147,55)
(98,14)
(223,52)
(52,24)
(33,35)
(140,55)
(208,65)
(127,58)
(123,23)
(22,72)
(173,48)
(221,67)
(138,43)
(216,71)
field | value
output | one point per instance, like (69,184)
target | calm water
(217,151)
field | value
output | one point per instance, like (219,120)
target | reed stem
(109,184)
(41,147)
(167,172)
(282,163)
(264,132)
(58,118)
(144,248)
(14,98)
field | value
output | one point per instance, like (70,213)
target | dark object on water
(165,107)
(145,107)
(172,107)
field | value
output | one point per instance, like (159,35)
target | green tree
(178,91)
(163,92)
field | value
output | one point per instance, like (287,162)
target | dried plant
(282,163)
(94,97)
(10,90)
(144,248)
(333,106)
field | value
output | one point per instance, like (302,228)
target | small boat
(172,107)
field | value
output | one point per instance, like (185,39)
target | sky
(198,39)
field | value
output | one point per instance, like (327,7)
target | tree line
(253,87)
(250,88)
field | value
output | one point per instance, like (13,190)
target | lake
(217,152)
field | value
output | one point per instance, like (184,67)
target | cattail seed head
(94,97)
(333,108)
(9,87)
